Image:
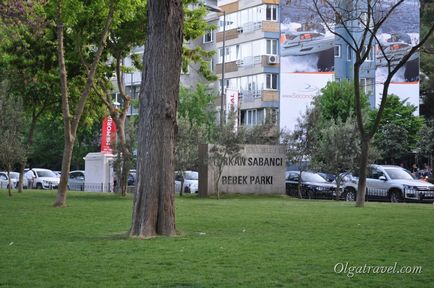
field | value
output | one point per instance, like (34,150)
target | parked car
(4,180)
(392,183)
(328,176)
(191,181)
(312,185)
(132,177)
(43,179)
(76,180)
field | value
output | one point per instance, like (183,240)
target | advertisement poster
(232,103)
(108,139)
(398,35)
(306,60)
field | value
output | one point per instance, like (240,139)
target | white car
(191,181)
(43,179)
(4,179)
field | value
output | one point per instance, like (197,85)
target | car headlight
(410,189)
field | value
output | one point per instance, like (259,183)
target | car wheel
(38,186)
(395,197)
(350,196)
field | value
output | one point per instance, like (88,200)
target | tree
(226,148)
(123,39)
(11,140)
(98,16)
(337,150)
(425,145)
(153,206)
(197,106)
(188,137)
(195,126)
(28,48)
(336,101)
(300,142)
(365,20)
(398,130)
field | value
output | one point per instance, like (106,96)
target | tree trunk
(126,157)
(300,196)
(361,188)
(63,185)
(153,208)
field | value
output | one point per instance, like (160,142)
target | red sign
(108,138)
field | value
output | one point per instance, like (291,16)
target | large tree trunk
(153,209)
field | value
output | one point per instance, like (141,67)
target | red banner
(108,139)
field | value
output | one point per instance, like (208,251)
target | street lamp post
(222,87)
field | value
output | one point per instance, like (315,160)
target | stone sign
(260,169)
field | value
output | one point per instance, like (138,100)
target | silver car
(76,180)
(393,183)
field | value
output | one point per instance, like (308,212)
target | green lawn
(233,242)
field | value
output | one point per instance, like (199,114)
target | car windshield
(45,173)
(191,175)
(399,174)
(312,177)
(15,175)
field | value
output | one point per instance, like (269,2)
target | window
(338,50)
(370,56)
(211,65)
(349,53)
(271,13)
(271,81)
(208,37)
(252,117)
(271,46)
(367,86)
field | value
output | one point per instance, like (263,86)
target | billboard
(398,34)
(306,60)
(311,55)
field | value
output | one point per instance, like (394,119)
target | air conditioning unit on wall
(273,59)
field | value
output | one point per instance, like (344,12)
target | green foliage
(337,101)
(337,151)
(11,126)
(425,145)
(265,133)
(197,106)
(398,131)
(196,26)
(427,52)
(226,147)
(188,138)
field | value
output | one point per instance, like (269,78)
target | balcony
(250,99)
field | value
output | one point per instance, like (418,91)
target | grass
(233,242)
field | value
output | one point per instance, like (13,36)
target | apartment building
(250,33)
